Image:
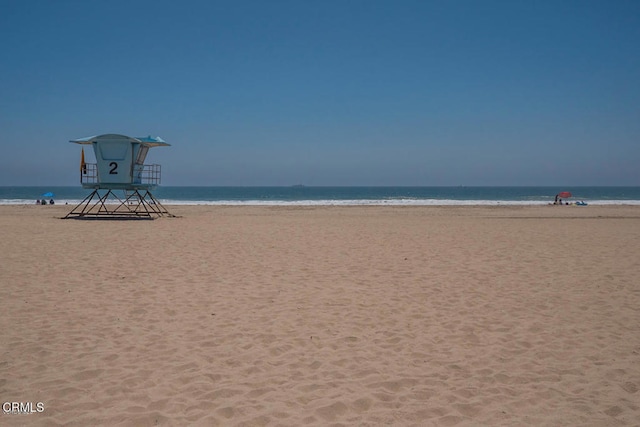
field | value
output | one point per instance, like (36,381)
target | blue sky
(349,92)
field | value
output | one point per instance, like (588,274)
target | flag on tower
(83,165)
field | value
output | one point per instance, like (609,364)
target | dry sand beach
(366,316)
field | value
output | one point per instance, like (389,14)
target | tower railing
(147,174)
(89,173)
(142,175)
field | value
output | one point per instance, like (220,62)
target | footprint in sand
(630,387)
(614,411)
(333,411)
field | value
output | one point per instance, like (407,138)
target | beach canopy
(149,141)
(564,195)
(48,194)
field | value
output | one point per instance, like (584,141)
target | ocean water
(302,195)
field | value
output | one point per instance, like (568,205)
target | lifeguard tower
(119,169)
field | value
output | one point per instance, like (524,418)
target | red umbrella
(564,195)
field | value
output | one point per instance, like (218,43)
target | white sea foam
(383,202)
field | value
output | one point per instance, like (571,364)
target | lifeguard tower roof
(149,141)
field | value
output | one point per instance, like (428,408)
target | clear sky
(324,92)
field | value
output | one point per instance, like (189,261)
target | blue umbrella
(49,194)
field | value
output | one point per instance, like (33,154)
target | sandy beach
(290,316)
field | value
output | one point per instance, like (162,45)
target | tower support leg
(136,204)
